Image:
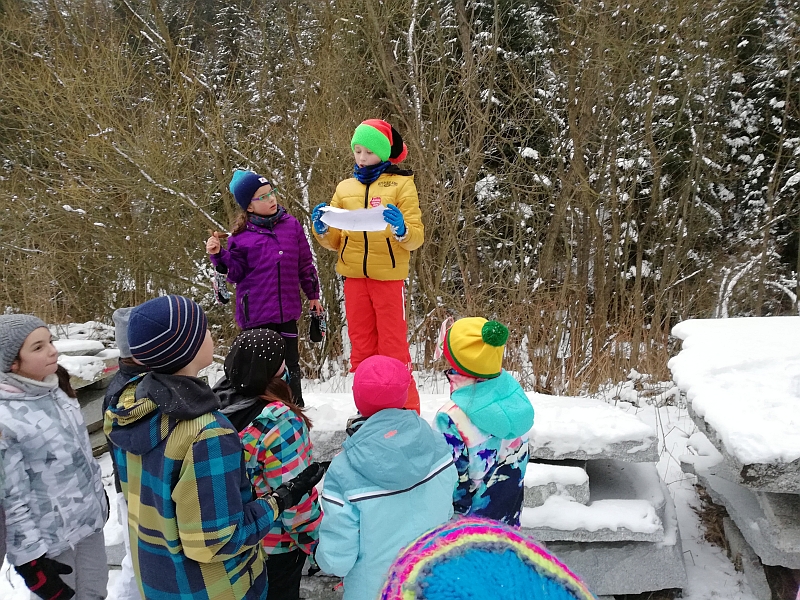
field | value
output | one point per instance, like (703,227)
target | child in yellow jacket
(374,264)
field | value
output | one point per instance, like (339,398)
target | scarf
(267,222)
(370,173)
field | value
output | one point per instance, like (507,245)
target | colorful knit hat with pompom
(380,138)
(475,346)
(472,558)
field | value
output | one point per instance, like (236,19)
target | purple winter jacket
(268,268)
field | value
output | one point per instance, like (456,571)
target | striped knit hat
(480,558)
(166,333)
(382,139)
(475,346)
(244,185)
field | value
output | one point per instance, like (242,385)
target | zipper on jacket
(391,252)
(86,457)
(366,239)
(245,307)
(341,256)
(280,296)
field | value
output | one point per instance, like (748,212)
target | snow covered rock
(545,480)
(586,428)
(741,378)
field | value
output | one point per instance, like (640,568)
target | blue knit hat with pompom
(244,185)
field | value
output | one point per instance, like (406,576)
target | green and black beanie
(382,139)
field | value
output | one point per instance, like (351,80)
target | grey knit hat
(13,331)
(121,317)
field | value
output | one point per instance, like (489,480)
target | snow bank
(742,376)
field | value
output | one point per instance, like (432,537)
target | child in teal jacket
(393,481)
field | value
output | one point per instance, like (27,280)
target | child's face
(365,157)
(264,202)
(38,358)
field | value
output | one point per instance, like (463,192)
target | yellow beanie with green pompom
(475,346)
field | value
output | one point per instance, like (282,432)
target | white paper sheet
(362,219)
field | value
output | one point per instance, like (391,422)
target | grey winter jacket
(2,517)
(53,495)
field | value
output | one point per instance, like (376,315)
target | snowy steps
(622,537)
(626,503)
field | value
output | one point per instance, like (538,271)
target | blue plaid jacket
(194,521)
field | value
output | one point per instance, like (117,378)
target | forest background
(590,173)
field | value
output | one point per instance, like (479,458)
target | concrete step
(619,568)
(587,429)
(543,480)
(627,503)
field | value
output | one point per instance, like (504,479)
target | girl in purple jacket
(269,260)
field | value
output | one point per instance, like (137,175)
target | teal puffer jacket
(393,482)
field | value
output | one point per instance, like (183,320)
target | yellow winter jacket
(376,254)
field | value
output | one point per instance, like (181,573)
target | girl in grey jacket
(53,494)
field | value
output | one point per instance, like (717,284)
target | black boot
(295,383)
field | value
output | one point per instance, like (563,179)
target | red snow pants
(376,323)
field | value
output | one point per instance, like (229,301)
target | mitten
(318,327)
(394,218)
(316,219)
(43,577)
(291,492)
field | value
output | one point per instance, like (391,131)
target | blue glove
(316,216)
(394,218)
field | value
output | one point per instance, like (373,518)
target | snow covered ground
(710,574)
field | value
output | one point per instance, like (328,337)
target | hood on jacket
(120,381)
(14,387)
(497,406)
(395,449)
(240,409)
(142,420)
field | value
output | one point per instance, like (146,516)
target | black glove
(43,578)
(291,492)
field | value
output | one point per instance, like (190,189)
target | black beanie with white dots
(255,359)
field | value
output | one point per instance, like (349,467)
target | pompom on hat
(244,185)
(480,558)
(13,331)
(475,346)
(255,358)
(380,382)
(382,139)
(166,333)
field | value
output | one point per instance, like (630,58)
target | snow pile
(91,330)
(565,425)
(87,368)
(538,474)
(564,514)
(742,376)
(80,347)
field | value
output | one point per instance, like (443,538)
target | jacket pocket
(246,307)
(341,254)
(391,252)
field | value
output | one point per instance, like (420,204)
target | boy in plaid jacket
(195,523)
